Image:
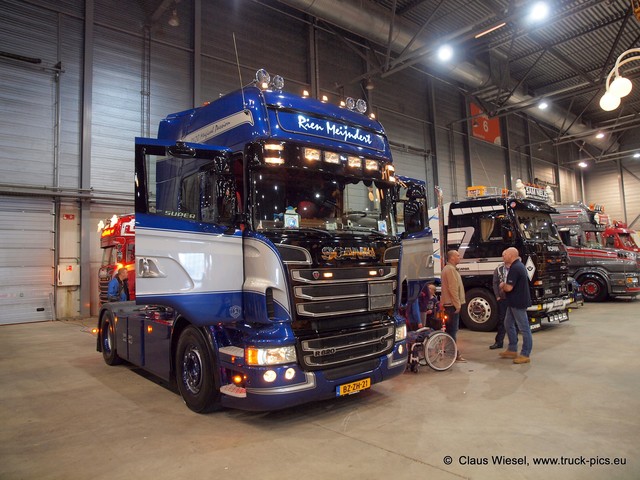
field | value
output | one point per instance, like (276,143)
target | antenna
(239,74)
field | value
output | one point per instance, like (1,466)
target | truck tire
(108,340)
(594,288)
(480,313)
(195,372)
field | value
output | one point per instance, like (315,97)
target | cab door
(188,250)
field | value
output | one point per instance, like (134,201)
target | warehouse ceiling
(563,60)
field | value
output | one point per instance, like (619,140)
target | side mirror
(507,231)
(413,218)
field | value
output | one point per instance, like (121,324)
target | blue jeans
(453,319)
(502,311)
(518,316)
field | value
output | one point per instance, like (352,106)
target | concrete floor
(65,414)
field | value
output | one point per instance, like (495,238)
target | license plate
(353,387)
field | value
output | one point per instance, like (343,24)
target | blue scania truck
(267,256)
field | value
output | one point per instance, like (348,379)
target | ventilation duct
(368,20)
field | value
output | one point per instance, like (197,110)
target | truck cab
(482,227)
(618,235)
(267,255)
(603,272)
(117,241)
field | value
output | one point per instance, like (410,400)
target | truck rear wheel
(195,372)
(594,288)
(480,313)
(108,340)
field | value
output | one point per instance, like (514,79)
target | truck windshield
(629,240)
(537,227)
(299,199)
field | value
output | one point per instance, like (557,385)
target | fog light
(401,349)
(269,376)
(289,373)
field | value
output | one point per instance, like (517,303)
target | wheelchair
(434,348)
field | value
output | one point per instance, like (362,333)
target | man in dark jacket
(518,298)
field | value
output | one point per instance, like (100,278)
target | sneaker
(495,345)
(520,359)
(508,354)
(461,359)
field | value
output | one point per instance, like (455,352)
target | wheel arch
(595,274)
(179,326)
(106,308)
(596,278)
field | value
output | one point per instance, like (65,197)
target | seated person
(429,307)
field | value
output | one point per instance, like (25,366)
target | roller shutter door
(26,260)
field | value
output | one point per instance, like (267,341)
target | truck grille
(347,347)
(333,292)
(104,277)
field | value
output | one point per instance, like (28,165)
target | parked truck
(602,272)
(618,235)
(480,228)
(117,241)
(267,255)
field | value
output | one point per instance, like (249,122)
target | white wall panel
(27,95)
(631,177)
(72,31)
(543,171)
(116,109)
(601,186)
(171,83)
(488,165)
(26,260)
(569,191)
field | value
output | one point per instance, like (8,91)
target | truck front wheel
(480,313)
(594,288)
(195,368)
(108,340)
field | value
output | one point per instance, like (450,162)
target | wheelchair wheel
(440,351)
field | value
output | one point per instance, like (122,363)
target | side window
(487,239)
(209,197)
(226,200)
(130,254)
(189,201)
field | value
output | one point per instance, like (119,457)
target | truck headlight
(401,333)
(270,356)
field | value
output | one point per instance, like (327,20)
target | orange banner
(484,127)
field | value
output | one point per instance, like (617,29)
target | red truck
(617,235)
(117,241)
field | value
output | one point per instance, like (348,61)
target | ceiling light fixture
(445,53)
(539,11)
(174,20)
(620,86)
(583,164)
(636,155)
(490,29)
(600,135)
(543,105)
